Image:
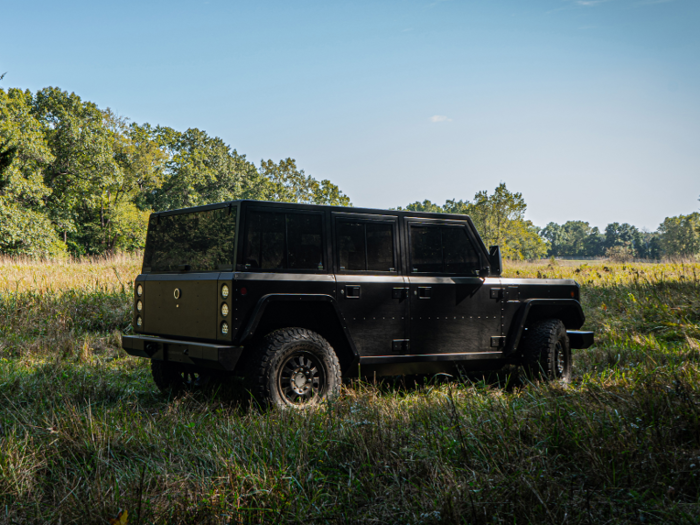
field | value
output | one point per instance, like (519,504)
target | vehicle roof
(316,207)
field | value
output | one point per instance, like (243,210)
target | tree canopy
(80,179)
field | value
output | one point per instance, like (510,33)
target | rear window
(202,240)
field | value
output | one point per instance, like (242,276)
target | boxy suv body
(295,297)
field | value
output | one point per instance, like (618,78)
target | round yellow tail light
(224,291)
(224,328)
(139,306)
(139,290)
(139,321)
(224,310)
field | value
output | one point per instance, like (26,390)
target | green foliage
(71,170)
(7,155)
(428,207)
(573,239)
(619,254)
(680,236)
(26,232)
(286,183)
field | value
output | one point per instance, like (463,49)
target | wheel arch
(316,312)
(532,311)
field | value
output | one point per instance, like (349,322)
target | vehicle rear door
(452,309)
(371,291)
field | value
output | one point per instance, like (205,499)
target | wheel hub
(302,378)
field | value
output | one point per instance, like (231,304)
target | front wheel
(295,368)
(546,351)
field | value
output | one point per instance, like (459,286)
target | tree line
(675,237)
(77,179)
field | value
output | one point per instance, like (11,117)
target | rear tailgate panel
(181,305)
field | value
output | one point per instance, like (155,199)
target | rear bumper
(200,354)
(578,339)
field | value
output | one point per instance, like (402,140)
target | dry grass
(19,274)
(83,431)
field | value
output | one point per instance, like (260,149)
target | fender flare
(568,310)
(265,300)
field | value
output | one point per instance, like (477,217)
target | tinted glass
(351,245)
(265,241)
(278,241)
(203,240)
(380,247)
(426,249)
(304,241)
(460,255)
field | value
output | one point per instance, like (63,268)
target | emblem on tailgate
(176,294)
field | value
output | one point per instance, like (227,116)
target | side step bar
(201,354)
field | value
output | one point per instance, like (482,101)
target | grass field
(84,432)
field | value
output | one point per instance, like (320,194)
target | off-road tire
(546,351)
(174,378)
(293,368)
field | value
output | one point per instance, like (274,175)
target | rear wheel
(175,378)
(294,367)
(546,351)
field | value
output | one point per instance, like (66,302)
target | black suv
(294,297)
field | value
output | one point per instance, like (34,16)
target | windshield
(199,241)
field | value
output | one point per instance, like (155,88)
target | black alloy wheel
(302,378)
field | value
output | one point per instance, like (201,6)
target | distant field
(84,432)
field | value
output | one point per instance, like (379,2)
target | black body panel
(454,314)
(375,310)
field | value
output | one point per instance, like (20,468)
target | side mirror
(495,260)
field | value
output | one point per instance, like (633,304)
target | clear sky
(590,108)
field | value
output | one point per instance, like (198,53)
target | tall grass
(55,307)
(84,432)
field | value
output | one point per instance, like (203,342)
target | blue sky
(590,108)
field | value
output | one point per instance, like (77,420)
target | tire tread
(539,359)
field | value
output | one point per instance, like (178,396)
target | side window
(278,241)
(460,255)
(380,247)
(442,249)
(265,241)
(351,245)
(365,246)
(304,241)
(426,249)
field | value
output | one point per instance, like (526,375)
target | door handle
(424,292)
(352,291)
(399,292)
